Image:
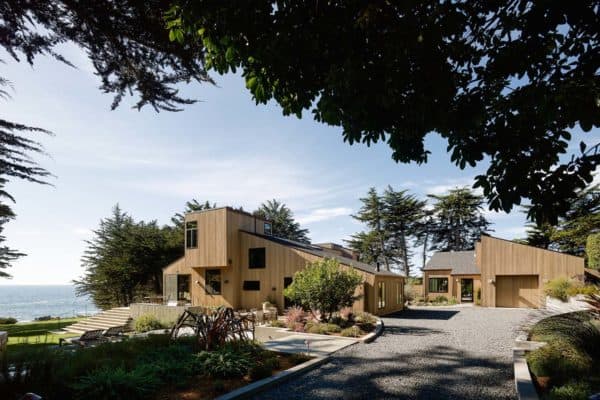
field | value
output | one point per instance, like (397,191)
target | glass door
(466,290)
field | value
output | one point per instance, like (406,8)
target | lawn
(36,333)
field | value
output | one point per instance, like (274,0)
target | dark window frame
(252,264)
(380,295)
(249,286)
(180,284)
(208,288)
(268,231)
(191,235)
(436,288)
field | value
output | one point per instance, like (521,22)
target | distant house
(498,273)
(232,259)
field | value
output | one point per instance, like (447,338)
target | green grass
(37,333)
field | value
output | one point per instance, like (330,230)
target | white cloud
(322,214)
(82,231)
(510,232)
(444,186)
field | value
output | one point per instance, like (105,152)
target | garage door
(517,291)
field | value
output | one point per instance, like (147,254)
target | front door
(466,290)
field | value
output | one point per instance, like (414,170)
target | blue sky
(224,149)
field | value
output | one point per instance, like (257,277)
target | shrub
(264,369)
(116,383)
(365,318)
(224,363)
(147,322)
(347,313)
(571,391)
(325,287)
(592,251)
(322,328)
(278,324)
(452,300)
(294,315)
(299,358)
(412,293)
(7,320)
(353,331)
(478,297)
(440,299)
(560,361)
(562,288)
(341,322)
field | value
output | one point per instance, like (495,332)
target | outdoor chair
(114,333)
(88,338)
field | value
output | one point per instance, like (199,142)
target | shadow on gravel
(441,372)
(423,314)
(409,330)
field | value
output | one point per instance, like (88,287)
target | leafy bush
(117,384)
(293,316)
(147,322)
(299,358)
(342,322)
(224,363)
(325,287)
(440,299)
(571,391)
(562,288)
(264,369)
(592,250)
(353,331)
(560,361)
(7,320)
(452,300)
(365,318)
(278,324)
(322,328)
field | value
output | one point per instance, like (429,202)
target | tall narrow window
(212,281)
(191,234)
(268,228)
(381,295)
(256,258)
(398,294)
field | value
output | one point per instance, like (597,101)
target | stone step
(108,319)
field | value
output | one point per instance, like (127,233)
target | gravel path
(425,353)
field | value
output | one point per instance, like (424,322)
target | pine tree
(402,214)
(458,220)
(366,245)
(193,205)
(372,215)
(282,221)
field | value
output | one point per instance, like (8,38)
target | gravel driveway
(425,353)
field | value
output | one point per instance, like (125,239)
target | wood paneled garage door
(517,291)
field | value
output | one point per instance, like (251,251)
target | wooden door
(520,291)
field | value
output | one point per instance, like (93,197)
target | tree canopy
(458,220)
(505,83)
(282,220)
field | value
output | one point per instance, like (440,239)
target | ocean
(27,302)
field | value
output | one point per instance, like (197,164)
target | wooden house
(232,259)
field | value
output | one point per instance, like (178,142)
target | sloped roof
(322,252)
(460,262)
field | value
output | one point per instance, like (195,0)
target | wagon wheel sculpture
(213,328)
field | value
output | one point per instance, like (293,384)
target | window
(183,287)
(398,293)
(191,234)
(268,228)
(438,285)
(256,258)
(212,280)
(381,295)
(251,285)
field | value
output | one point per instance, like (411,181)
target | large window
(183,287)
(256,258)
(191,234)
(381,295)
(251,285)
(438,285)
(398,293)
(212,279)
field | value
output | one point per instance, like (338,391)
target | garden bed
(568,366)
(343,324)
(135,369)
